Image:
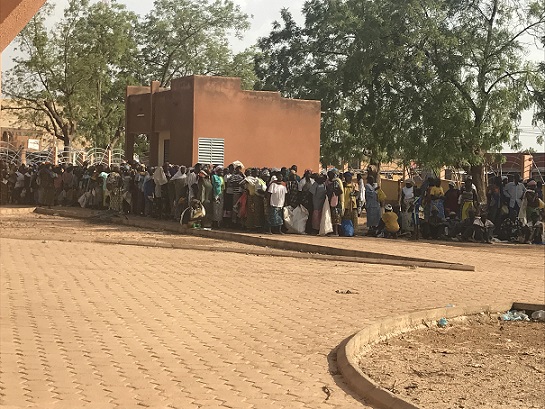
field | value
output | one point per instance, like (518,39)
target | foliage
(187,37)
(539,98)
(437,82)
(71,79)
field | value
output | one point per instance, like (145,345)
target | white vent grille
(211,151)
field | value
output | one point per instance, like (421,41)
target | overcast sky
(263,13)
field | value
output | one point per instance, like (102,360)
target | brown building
(212,120)
(14,15)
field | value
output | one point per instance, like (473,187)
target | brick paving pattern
(105,326)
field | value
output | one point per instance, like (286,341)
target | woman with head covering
(204,195)
(114,183)
(350,199)
(47,178)
(372,204)
(256,188)
(276,194)
(235,185)
(318,192)
(335,195)
(406,203)
(218,189)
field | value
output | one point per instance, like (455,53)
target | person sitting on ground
(388,225)
(434,227)
(483,228)
(452,225)
(534,230)
(193,215)
(467,228)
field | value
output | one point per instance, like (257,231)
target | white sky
(263,13)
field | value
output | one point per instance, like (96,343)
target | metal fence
(17,155)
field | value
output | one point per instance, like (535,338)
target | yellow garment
(348,190)
(467,206)
(437,191)
(390,222)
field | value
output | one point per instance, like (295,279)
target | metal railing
(16,155)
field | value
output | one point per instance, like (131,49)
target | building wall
(138,114)
(163,136)
(14,15)
(181,114)
(260,128)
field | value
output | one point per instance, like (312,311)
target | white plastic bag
(326,226)
(84,199)
(295,220)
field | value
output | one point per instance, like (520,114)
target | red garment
(242,205)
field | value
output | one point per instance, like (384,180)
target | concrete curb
(16,210)
(348,351)
(297,247)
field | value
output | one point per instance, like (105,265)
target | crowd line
(279,200)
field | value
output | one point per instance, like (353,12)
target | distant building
(525,165)
(212,120)
(16,135)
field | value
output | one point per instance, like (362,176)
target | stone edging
(16,210)
(335,253)
(347,353)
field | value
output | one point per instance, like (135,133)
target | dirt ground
(478,362)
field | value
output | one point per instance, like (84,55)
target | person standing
(361,194)
(468,201)
(256,188)
(335,195)
(406,202)
(218,189)
(47,177)
(514,191)
(235,184)
(451,199)
(318,192)
(437,195)
(350,200)
(204,195)
(276,193)
(372,204)
(114,182)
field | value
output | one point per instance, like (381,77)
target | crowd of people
(281,200)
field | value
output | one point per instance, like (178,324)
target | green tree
(476,49)
(70,80)
(352,56)
(539,97)
(187,37)
(438,82)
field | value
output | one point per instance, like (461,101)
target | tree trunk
(479,180)
(66,149)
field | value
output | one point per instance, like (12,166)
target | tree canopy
(70,79)
(185,37)
(437,82)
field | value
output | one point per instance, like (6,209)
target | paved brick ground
(85,324)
